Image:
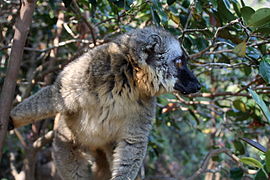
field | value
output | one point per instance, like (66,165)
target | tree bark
(22,27)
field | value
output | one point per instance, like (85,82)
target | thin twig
(131,13)
(246,30)
(260,43)
(220,51)
(123,14)
(203,167)
(42,141)
(215,44)
(225,26)
(20,137)
(237,161)
(199,54)
(206,160)
(195,30)
(159,178)
(191,9)
(53,47)
(69,31)
(76,9)
(212,95)
(258,80)
(261,88)
(220,65)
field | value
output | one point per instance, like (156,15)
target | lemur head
(162,62)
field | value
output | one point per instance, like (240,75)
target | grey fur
(106,102)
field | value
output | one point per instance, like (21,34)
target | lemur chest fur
(100,124)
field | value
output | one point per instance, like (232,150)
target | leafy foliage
(264,70)
(261,103)
(251,162)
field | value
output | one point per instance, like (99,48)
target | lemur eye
(178,63)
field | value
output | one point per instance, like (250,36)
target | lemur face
(186,81)
(163,62)
(171,67)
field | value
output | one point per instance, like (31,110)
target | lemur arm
(45,103)
(129,152)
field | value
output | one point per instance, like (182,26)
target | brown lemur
(106,101)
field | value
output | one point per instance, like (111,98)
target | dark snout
(191,87)
(187,83)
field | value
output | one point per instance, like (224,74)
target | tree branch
(52,47)
(191,10)
(77,11)
(225,26)
(20,137)
(212,95)
(206,161)
(42,141)
(22,26)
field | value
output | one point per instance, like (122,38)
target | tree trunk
(22,26)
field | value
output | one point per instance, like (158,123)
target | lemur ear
(153,43)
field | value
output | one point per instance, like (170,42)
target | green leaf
(264,69)
(214,3)
(224,11)
(240,49)
(260,17)
(119,3)
(243,3)
(198,7)
(93,2)
(170,2)
(254,144)
(217,158)
(236,8)
(240,105)
(267,161)
(247,70)
(174,18)
(236,173)
(241,116)
(265,31)
(155,16)
(251,162)
(67,3)
(159,12)
(113,7)
(261,175)
(239,147)
(261,103)
(201,43)
(246,13)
